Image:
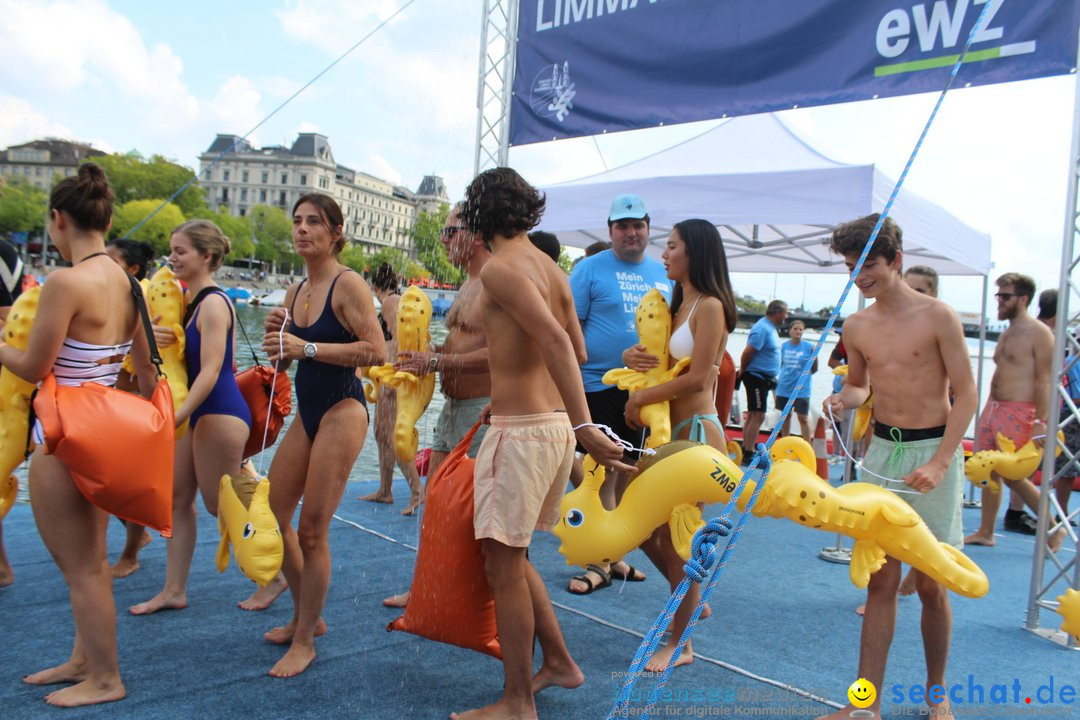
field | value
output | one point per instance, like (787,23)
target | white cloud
(334,26)
(236,106)
(19,122)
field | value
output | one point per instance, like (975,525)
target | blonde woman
(218,416)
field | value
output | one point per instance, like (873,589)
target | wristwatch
(309,350)
(433,363)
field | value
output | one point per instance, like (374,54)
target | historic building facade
(41,162)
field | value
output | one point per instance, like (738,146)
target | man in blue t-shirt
(759,367)
(607,288)
(793,356)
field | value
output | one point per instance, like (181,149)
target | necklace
(99,252)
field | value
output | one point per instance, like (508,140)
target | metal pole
(480,87)
(971,501)
(508,82)
(1041,593)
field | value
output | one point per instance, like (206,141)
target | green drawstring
(897,455)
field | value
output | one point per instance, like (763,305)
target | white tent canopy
(774,198)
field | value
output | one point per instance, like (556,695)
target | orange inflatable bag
(270,400)
(449,600)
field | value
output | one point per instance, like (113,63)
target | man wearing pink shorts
(1019,395)
(537,399)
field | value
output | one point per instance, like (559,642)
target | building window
(225,175)
(262,196)
(244,176)
(225,195)
(265,177)
(243,212)
(243,194)
(284,178)
(303,179)
(282,200)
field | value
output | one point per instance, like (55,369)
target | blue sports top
(224,397)
(766,341)
(793,358)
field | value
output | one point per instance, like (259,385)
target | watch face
(309,350)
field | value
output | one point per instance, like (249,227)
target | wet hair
(927,272)
(851,237)
(708,267)
(547,243)
(330,212)
(207,239)
(597,247)
(385,278)
(1048,304)
(1023,284)
(86,197)
(137,253)
(776,306)
(500,202)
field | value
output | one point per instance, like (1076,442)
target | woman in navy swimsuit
(332,329)
(218,416)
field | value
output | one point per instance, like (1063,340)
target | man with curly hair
(537,401)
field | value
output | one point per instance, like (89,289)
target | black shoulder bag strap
(144,313)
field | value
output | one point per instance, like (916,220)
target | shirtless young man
(1019,395)
(537,398)
(912,346)
(462,361)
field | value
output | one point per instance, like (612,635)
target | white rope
(273,388)
(626,446)
(837,437)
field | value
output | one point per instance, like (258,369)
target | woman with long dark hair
(703,314)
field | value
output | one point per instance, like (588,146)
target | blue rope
(262,122)
(620,708)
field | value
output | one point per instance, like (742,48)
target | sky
(165,78)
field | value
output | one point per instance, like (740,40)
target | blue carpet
(782,619)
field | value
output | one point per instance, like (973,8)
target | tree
(156,231)
(272,229)
(429,248)
(565,262)
(133,178)
(23,207)
(237,229)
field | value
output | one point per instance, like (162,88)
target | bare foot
(1055,540)
(414,503)
(67,672)
(497,711)
(907,585)
(979,539)
(569,677)
(284,634)
(87,693)
(705,612)
(124,566)
(161,601)
(940,710)
(264,597)
(842,714)
(397,601)
(294,662)
(379,498)
(659,660)
(861,610)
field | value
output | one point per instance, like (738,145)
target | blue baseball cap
(626,207)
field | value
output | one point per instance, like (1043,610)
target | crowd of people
(524,355)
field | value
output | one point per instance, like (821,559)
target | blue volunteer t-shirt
(607,291)
(792,360)
(766,341)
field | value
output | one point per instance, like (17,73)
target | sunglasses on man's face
(1006,296)
(449,231)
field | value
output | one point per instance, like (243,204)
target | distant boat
(274,298)
(239,295)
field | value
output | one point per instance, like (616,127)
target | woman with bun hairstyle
(135,257)
(220,421)
(86,323)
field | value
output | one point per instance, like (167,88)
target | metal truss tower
(498,46)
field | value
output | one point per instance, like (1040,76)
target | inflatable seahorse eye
(653,319)
(669,484)
(413,393)
(165,298)
(9,490)
(1007,461)
(14,391)
(248,525)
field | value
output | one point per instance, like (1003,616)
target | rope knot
(701,548)
(761,454)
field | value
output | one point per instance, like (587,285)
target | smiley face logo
(862,693)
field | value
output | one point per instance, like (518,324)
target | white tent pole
(1042,593)
(971,501)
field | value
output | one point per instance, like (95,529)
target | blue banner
(586,67)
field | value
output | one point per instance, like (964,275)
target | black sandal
(605,581)
(629,576)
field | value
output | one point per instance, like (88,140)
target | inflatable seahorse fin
(248,525)
(867,557)
(685,520)
(1004,444)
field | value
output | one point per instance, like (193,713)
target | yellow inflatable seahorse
(9,490)
(1006,461)
(247,524)
(683,473)
(863,413)
(653,318)
(413,393)
(14,391)
(165,298)
(1069,609)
